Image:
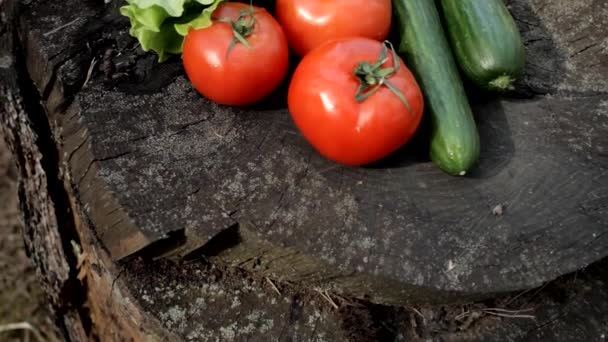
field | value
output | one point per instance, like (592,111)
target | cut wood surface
(155,164)
(120,156)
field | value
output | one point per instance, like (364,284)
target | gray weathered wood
(134,165)
(153,163)
(566,42)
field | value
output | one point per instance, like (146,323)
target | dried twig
(327,297)
(463,315)
(418,313)
(509,315)
(497,312)
(274,287)
(508,311)
(57,29)
(348,302)
(90,71)
(26,326)
(470,320)
(216,134)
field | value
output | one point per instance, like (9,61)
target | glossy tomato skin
(243,75)
(309,23)
(322,104)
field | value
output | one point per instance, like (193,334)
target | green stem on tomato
(373,76)
(242,27)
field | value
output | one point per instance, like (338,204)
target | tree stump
(155,214)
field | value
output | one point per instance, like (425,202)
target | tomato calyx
(242,27)
(373,76)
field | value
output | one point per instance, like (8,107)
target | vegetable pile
(354,96)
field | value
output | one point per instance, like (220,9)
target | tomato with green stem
(355,101)
(310,23)
(238,60)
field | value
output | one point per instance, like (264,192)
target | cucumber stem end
(502,83)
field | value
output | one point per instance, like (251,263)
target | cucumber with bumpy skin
(486,42)
(454,136)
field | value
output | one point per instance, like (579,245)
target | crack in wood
(97,160)
(583,50)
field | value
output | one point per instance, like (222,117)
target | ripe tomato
(309,23)
(323,101)
(224,69)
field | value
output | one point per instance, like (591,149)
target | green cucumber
(423,45)
(486,42)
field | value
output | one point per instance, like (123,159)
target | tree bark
(77,275)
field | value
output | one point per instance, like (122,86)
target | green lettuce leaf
(161,25)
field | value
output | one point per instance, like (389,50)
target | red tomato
(309,23)
(322,101)
(243,75)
